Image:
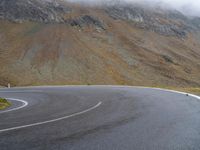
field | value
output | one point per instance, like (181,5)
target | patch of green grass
(4,103)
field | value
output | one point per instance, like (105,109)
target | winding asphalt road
(99,118)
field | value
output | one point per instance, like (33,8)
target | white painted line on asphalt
(25,103)
(146,87)
(173,91)
(184,93)
(53,120)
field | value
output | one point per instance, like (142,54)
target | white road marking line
(146,87)
(25,103)
(184,93)
(82,112)
(53,120)
(173,91)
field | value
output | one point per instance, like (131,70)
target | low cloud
(188,7)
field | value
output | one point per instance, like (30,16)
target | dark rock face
(196,22)
(165,22)
(162,23)
(33,10)
(48,11)
(86,20)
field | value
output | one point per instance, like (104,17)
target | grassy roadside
(4,103)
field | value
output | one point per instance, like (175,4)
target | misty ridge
(187,7)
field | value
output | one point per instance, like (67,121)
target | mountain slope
(97,45)
(34,10)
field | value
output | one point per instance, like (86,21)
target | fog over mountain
(188,7)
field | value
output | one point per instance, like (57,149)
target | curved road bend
(99,118)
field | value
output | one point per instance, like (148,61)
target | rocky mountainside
(166,22)
(33,10)
(57,42)
(46,11)
(150,20)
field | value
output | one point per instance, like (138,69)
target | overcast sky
(191,7)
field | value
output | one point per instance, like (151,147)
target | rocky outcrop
(164,22)
(196,22)
(33,10)
(86,20)
(148,19)
(47,11)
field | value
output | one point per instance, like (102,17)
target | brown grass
(41,54)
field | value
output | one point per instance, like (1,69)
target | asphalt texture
(128,118)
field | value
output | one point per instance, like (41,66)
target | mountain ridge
(56,11)
(115,44)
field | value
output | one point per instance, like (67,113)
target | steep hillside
(52,42)
(33,10)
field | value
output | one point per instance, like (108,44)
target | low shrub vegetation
(4,103)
